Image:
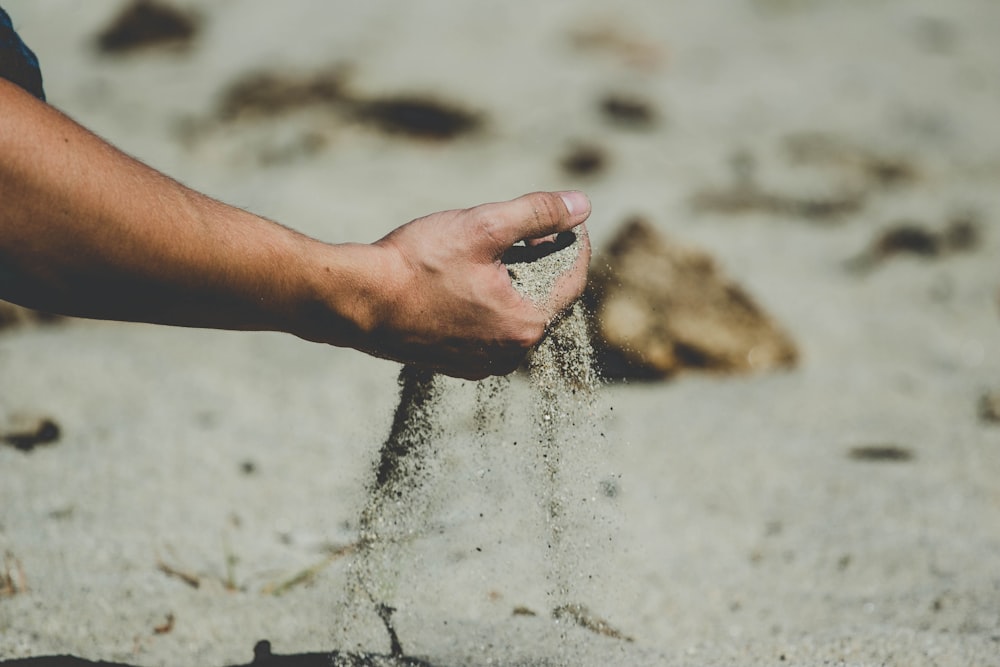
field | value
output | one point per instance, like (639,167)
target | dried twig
(583,617)
(306,575)
(229,583)
(192,580)
(164,627)
(13,579)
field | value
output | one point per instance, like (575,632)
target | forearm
(85,230)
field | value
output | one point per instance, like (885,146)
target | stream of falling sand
(399,504)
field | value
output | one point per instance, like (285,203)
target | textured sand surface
(844,512)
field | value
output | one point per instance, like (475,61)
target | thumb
(531,216)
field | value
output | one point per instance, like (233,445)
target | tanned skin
(86,230)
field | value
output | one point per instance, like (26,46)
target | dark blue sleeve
(17,63)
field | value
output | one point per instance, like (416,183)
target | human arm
(86,230)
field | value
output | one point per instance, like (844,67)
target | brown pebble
(263,94)
(909,238)
(25,433)
(147,23)
(880,453)
(661,307)
(584,160)
(989,407)
(960,234)
(417,117)
(629,112)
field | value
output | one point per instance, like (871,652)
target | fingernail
(576,202)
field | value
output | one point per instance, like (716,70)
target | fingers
(531,216)
(551,238)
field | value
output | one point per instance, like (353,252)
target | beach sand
(205,486)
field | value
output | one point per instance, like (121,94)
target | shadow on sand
(262,657)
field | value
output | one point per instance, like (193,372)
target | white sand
(745,535)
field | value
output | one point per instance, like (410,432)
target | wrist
(346,295)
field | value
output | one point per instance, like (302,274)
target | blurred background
(796,291)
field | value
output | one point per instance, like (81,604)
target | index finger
(533,216)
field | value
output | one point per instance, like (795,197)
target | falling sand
(406,492)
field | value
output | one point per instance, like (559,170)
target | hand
(451,304)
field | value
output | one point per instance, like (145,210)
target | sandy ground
(743,530)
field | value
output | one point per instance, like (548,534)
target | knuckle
(485,222)
(547,206)
(530,335)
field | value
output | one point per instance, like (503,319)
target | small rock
(628,112)
(25,432)
(417,117)
(660,308)
(960,234)
(148,23)
(584,160)
(880,453)
(989,407)
(269,94)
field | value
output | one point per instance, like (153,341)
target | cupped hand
(450,304)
